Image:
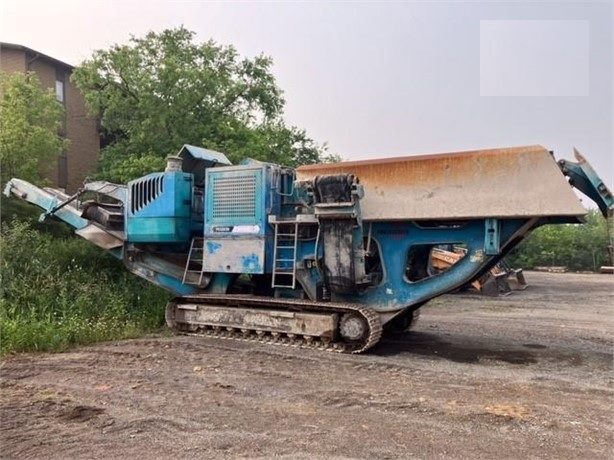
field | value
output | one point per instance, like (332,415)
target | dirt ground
(525,376)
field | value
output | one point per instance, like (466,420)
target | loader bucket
(462,185)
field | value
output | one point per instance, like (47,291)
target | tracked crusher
(328,256)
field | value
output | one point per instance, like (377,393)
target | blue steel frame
(164,215)
(395,239)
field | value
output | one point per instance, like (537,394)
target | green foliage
(59,292)
(11,208)
(30,119)
(577,247)
(163,90)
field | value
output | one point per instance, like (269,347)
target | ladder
(284,254)
(191,275)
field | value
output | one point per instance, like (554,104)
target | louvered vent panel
(145,191)
(234,198)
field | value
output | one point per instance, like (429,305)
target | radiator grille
(234,197)
(144,191)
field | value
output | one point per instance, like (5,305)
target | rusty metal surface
(182,317)
(507,182)
(101,237)
(233,255)
(60,195)
(318,325)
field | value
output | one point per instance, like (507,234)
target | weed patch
(66,291)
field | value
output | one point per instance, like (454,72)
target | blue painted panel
(234,255)
(395,239)
(196,160)
(160,195)
(44,200)
(492,241)
(158,208)
(209,157)
(235,200)
(158,230)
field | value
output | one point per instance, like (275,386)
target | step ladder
(284,254)
(191,275)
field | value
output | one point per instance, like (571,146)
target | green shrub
(60,292)
(580,247)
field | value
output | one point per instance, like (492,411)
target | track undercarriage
(339,327)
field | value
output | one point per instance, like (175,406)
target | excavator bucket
(460,185)
(495,285)
(499,280)
(516,280)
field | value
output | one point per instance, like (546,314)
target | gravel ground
(529,375)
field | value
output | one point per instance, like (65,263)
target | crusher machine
(330,255)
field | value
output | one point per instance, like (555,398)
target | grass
(59,292)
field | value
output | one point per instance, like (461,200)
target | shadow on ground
(433,346)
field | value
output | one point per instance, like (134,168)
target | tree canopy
(30,120)
(575,246)
(163,90)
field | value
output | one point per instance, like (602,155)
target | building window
(60,95)
(59,87)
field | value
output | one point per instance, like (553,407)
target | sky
(384,79)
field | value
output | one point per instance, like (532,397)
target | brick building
(78,161)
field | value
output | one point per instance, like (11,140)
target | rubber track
(273,304)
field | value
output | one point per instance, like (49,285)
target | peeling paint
(477,256)
(213,247)
(250,262)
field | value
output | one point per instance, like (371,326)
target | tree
(30,120)
(576,246)
(161,91)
